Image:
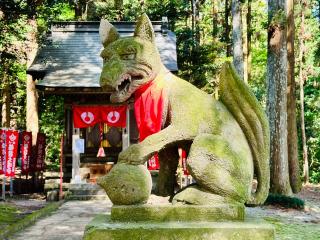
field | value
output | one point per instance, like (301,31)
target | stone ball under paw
(127,184)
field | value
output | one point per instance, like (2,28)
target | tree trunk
(245,43)
(319,10)
(295,181)
(277,98)
(237,37)
(32,121)
(80,8)
(214,21)
(6,98)
(227,28)
(249,34)
(118,4)
(301,83)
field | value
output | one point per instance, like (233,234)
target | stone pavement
(67,223)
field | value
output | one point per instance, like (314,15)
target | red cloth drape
(148,108)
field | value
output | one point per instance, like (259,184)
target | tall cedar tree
(277,97)
(302,78)
(237,37)
(292,138)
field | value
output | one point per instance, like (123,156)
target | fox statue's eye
(130,56)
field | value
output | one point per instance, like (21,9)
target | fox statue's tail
(245,108)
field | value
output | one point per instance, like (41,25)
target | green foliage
(14,29)
(311,93)
(51,109)
(201,47)
(285,201)
(312,119)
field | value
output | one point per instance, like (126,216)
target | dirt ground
(311,213)
(309,193)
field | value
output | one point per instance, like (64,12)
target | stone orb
(127,184)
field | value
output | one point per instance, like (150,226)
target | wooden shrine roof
(70,59)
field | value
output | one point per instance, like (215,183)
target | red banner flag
(2,150)
(26,151)
(153,162)
(40,152)
(86,116)
(184,162)
(12,140)
(114,116)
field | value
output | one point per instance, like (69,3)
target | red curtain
(85,116)
(88,116)
(114,116)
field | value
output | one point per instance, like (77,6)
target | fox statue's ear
(144,28)
(108,33)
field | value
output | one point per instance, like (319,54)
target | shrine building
(69,65)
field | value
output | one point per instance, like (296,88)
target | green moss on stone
(101,228)
(168,212)
(127,184)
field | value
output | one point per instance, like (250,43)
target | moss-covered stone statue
(227,141)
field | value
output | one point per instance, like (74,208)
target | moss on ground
(8,215)
(12,219)
(295,231)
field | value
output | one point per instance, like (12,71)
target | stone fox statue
(227,140)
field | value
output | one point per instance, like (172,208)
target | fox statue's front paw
(132,155)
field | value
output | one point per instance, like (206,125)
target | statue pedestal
(162,222)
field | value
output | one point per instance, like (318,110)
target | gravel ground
(311,213)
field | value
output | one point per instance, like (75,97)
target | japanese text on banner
(40,152)
(25,151)
(12,140)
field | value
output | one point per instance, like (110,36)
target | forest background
(204,42)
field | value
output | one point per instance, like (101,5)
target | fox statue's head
(128,62)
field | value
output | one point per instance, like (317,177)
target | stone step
(84,186)
(169,212)
(56,185)
(87,197)
(86,191)
(103,228)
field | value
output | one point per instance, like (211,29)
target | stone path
(67,223)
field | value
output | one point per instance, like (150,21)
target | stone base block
(103,228)
(169,212)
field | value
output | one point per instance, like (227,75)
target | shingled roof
(71,56)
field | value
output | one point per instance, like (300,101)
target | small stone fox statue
(227,140)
